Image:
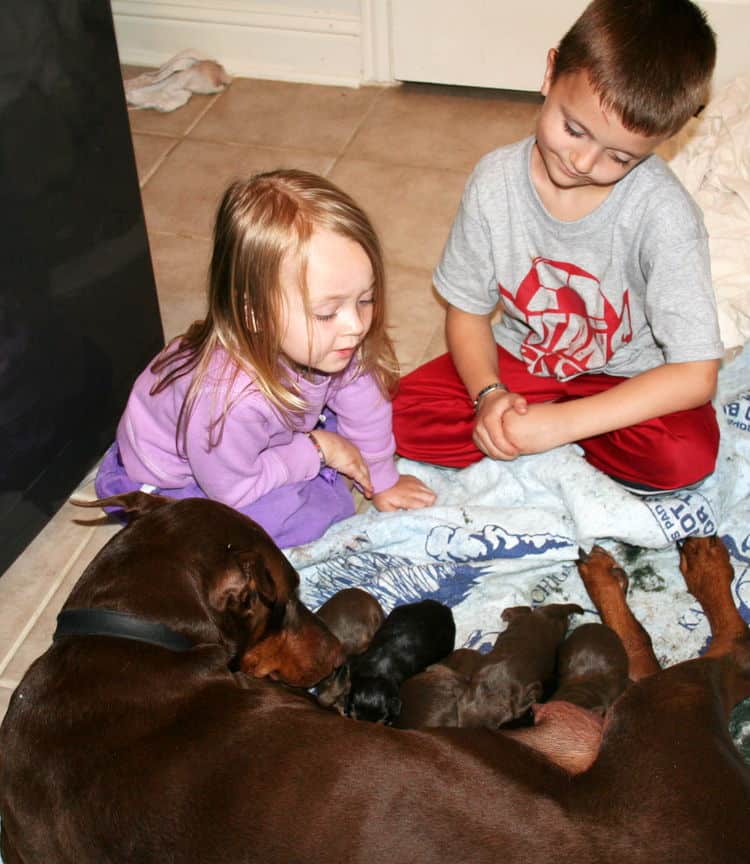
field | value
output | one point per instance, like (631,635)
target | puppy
(353,616)
(592,668)
(430,698)
(412,637)
(514,675)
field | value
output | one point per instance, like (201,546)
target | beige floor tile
(5,694)
(150,151)
(277,114)
(173,123)
(39,636)
(183,194)
(412,208)
(34,580)
(442,127)
(414,313)
(181,272)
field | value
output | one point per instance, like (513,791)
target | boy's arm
(473,349)
(659,391)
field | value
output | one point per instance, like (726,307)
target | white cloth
(172,84)
(713,162)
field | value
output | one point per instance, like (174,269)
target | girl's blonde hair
(258,223)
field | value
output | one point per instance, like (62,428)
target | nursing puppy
(592,668)
(520,667)
(353,616)
(412,637)
(592,671)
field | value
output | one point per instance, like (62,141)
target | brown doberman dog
(146,754)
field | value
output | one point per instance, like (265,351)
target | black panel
(78,310)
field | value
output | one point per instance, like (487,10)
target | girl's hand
(342,455)
(408,493)
(490,434)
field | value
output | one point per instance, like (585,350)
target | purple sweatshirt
(257,452)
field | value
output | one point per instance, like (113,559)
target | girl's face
(341,293)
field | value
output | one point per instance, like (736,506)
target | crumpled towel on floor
(172,84)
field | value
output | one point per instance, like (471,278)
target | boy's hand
(408,493)
(490,434)
(345,457)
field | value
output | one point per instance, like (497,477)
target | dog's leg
(708,574)
(607,583)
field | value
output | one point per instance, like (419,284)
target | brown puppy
(472,689)
(353,616)
(519,667)
(164,756)
(592,668)
(430,698)
(592,671)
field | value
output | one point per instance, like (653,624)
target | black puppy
(411,638)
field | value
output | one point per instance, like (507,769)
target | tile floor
(403,152)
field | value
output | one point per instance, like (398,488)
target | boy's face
(579,143)
(341,295)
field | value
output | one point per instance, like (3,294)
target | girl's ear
(549,72)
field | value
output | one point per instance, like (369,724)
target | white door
(504,43)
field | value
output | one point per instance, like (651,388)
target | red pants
(433,421)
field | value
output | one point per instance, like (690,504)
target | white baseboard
(249,39)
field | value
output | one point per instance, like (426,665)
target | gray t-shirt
(622,290)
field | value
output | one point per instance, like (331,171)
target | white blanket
(713,162)
(508,533)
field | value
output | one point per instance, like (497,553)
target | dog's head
(213,574)
(374,699)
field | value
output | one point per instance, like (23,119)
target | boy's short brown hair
(650,61)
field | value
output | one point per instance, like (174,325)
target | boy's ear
(549,71)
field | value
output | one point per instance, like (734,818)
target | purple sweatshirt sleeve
(256,453)
(365,418)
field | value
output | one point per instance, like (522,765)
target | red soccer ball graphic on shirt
(575,328)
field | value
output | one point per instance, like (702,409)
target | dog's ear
(524,696)
(513,612)
(135,504)
(245,574)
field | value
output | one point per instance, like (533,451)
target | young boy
(599,259)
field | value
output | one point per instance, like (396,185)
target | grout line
(36,615)
(356,129)
(159,162)
(202,114)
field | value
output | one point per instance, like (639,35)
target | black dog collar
(108,622)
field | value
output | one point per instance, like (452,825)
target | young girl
(283,387)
